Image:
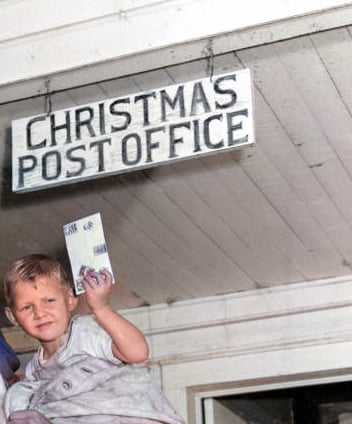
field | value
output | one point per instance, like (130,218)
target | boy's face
(43,309)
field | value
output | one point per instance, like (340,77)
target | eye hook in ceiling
(209,53)
(47,98)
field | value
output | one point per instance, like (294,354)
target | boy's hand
(127,342)
(98,287)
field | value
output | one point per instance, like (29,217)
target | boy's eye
(25,308)
(50,300)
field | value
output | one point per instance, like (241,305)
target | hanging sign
(141,130)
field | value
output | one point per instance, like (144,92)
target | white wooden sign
(141,130)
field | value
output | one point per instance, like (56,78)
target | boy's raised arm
(128,343)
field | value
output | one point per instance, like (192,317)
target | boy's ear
(10,316)
(72,300)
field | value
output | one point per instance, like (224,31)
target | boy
(83,371)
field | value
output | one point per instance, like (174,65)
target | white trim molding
(290,335)
(82,41)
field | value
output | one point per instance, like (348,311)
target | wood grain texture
(273,214)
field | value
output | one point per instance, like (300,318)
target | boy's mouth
(43,326)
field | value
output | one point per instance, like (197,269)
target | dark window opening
(320,404)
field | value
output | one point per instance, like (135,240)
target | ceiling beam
(92,41)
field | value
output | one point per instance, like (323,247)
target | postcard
(86,247)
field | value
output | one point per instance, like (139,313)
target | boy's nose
(38,312)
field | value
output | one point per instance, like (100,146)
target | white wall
(288,335)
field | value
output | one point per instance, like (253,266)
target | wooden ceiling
(276,213)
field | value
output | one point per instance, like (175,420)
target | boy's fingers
(106,274)
(87,285)
(91,281)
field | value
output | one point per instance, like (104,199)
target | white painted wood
(29,51)
(332,50)
(162,207)
(267,216)
(124,237)
(333,150)
(48,15)
(300,363)
(231,228)
(142,130)
(153,276)
(170,226)
(216,413)
(310,149)
(189,211)
(170,251)
(95,27)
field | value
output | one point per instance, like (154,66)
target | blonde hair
(28,268)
